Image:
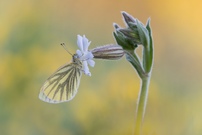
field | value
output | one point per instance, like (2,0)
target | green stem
(141,104)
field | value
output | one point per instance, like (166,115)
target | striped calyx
(108,52)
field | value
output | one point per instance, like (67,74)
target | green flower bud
(116,26)
(126,38)
(124,42)
(134,34)
(129,20)
(131,35)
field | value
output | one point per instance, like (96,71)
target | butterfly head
(76,58)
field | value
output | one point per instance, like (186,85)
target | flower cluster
(136,33)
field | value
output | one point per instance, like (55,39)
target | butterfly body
(62,85)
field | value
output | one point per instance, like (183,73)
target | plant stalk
(141,104)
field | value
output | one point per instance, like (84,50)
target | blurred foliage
(31,31)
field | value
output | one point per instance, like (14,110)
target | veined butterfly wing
(62,86)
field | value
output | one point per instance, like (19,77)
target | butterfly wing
(62,86)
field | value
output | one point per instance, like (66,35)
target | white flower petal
(91,62)
(86,69)
(85,44)
(80,42)
(89,55)
(79,53)
(84,55)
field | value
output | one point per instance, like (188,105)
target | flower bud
(108,52)
(134,34)
(131,35)
(123,41)
(116,26)
(129,20)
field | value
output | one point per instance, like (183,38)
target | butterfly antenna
(64,46)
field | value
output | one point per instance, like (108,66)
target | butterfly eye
(75,56)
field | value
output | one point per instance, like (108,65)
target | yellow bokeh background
(30,51)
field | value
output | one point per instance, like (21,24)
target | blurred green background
(30,35)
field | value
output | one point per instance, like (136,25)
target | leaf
(150,45)
(134,60)
(147,50)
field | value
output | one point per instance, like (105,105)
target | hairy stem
(141,104)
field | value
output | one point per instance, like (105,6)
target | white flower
(84,55)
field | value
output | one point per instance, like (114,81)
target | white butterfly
(63,85)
